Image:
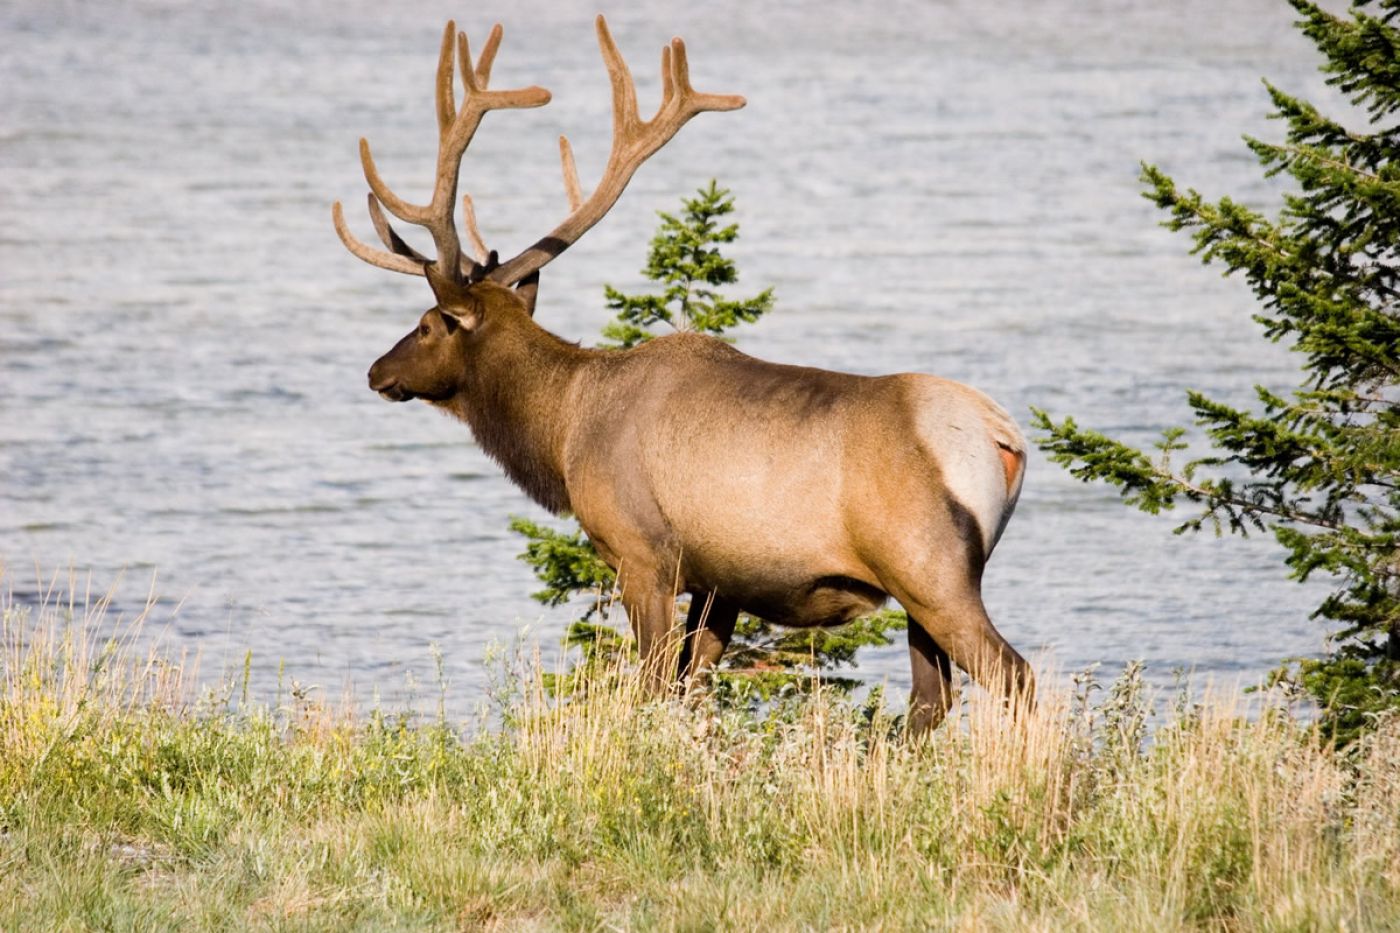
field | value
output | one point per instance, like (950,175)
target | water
(947,187)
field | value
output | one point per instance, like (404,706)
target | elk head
(428,362)
(472,292)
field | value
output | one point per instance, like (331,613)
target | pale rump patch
(980,452)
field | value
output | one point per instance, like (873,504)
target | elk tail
(1011,447)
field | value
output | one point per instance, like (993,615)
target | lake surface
(944,187)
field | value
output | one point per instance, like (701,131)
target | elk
(802,496)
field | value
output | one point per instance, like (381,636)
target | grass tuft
(127,801)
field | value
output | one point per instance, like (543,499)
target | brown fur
(803,496)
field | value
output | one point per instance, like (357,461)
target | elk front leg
(708,627)
(651,609)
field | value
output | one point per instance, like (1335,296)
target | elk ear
(451,321)
(466,314)
(529,290)
(455,302)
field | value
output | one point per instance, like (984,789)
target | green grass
(126,802)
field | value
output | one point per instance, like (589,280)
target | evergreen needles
(1320,469)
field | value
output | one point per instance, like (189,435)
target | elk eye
(422,330)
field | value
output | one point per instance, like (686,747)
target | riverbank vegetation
(133,798)
(129,802)
(1318,468)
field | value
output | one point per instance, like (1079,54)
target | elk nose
(387,385)
(376,378)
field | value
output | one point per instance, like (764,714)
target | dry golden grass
(124,803)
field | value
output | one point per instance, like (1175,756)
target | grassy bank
(127,802)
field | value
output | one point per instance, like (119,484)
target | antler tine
(624,89)
(464,63)
(571,185)
(409,213)
(482,71)
(456,127)
(387,234)
(692,100)
(634,141)
(684,101)
(446,98)
(479,249)
(375,257)
(680,67)
(675,72)
(668,84)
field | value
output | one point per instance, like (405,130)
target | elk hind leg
(709,625)
(955,620)
(934,691)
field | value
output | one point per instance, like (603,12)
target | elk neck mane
(515,396)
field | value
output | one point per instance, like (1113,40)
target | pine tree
(685,257)
(1320,469)
(762,661)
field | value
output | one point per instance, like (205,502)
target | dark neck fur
(515,397)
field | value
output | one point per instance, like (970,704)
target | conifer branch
(1324,468)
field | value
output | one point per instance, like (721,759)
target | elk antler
(634,140)
(455,130)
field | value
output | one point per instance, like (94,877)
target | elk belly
(823,601)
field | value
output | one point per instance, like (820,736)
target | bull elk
(802,496)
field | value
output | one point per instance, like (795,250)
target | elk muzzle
(387,384)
